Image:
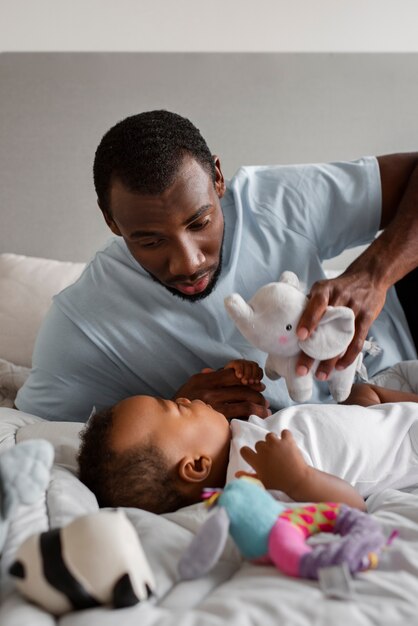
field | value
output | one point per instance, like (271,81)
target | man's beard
(196,296)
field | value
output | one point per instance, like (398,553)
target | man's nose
(186,259)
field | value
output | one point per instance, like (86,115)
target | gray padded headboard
(252,109)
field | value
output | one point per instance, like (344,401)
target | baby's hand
(277,461)
(249,372)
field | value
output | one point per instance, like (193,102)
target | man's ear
(219,181)
(193,470)
(110,222)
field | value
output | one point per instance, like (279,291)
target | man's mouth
(190,289)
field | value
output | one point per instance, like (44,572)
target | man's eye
(199,225)
(150,244)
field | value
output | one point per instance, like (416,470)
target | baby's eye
(289,327)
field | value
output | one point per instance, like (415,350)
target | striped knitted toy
(266,530)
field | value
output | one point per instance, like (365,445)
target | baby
(159,454)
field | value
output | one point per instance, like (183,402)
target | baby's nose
(183,401)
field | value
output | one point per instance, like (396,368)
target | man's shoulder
(272,171)
(110,269)
(112,252)
(296,170)
(110,260)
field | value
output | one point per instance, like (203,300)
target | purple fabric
(360,533)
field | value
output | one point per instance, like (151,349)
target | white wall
(209,25)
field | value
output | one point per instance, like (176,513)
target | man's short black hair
(138,477)
(145,151)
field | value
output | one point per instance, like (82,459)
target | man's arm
(395,174)
(391,256)
(279,464)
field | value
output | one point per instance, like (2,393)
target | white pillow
(27,285)
(17,426)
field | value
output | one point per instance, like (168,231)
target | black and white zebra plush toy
(96,560)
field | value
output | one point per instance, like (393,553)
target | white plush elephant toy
(269,321)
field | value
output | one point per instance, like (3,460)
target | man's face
(175,236)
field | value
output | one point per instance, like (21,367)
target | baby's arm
(279,464)
(249,372)
(365,394)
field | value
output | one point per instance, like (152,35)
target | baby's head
(154,454)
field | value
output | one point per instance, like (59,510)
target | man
(147,315)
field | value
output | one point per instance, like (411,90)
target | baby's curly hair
(138,477)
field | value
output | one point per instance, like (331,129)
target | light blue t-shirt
(116,332)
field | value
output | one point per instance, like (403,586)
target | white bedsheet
(236,593)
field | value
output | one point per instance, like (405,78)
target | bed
(300,108)
(235,591)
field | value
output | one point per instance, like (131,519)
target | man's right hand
(355,289)
(226,394)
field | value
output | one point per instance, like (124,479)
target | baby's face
(177,427)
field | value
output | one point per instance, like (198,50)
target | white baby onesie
(370,447)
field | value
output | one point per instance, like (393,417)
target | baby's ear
(195,470)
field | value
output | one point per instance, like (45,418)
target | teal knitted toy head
(249,525)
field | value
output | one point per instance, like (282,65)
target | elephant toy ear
(332,335)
